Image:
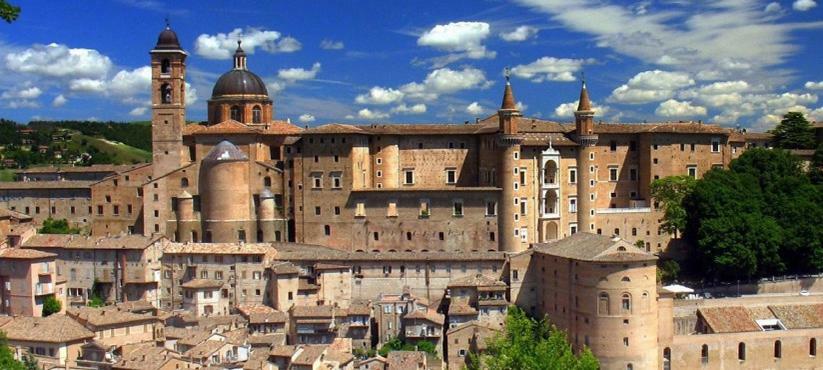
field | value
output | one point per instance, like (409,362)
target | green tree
(8,12)
(760,217)
(30,362)
(816,166)
(51,306)
(530,344)
(670,192)
(7,361)
(793,132)
(61,226)
(667,271)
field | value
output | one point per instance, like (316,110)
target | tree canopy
(670,191)
(8,12)
(530,344)
(793,132)
(51,306)
(60,226)
(760,217)
(7,361)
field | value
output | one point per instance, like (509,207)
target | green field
(118,152)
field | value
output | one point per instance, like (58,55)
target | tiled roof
(282,351)
(24,185)
(205,349)
(461,309)
(285,268)
(310,252)
(7,213)
(202,284)
(313,311)
(476,280)
(330,266)
(734,319)
(282,128)
(261,314)
(480,326)
(406,360)
(799,316)
(359,309)
(227,127)
(143,356)
(492,302)
(593,247)
(80,169)
(309,354)
(90,242)
(428,315)
(52,329)
(334,128)
(428,189)
(24,254)
(217,248)
(107,316)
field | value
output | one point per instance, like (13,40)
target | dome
(225,151)
(184,195)
(239,82)
(266,194)
(167,40)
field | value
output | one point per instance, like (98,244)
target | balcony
(43,288)
(421,333)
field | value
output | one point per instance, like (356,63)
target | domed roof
(167,40)
(184,195)
(239,82)
(225,151)
(266,194)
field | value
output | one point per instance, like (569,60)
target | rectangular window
(613,146)
(613,173)
(572,205)
(392,209)
(491,208)
(408,176)
(457,208)
(715,145)
(524,234)
(573,175)
(692,171)
(424,208)
(317,181)
(317,211)
(524,206)
(523,176)
(360,209)
(336,180)
(99,210)
(451,176)
(116,210)
(633,174)
(572,228)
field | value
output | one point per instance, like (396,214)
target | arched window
(644,301)
(603,304)
(235,114)
(667,358)
(184,182)
(629,367)
(626,303)
(813,347)
(741,351)
(165,93)
(626,279)
(267,181)
(704,354)
(256,114)
(778,349)
(165,66)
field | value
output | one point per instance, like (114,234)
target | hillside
(117,152)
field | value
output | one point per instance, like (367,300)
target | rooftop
(52,329)
(107,316)
(24,254)
(69,241)
(593,247)
(406,360)
(202,284)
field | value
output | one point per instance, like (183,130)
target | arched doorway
(549,231)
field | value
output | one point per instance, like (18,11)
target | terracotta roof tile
(428,315)
(15,185)
(593,247)
(477,280)
(107,316)
(734,319)
(53,329)
(799,316)
(202,284)
(90,242)
(24,254)
(309,354)
(313,311)
(218,248)
(262,314)
(406,360)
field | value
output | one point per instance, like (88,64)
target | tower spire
(239,57)
(508,96)
(585,104)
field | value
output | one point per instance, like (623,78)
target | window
(461,353)
(336,180)
(704,354)
(778,349)
(813,347)
(165,94)
(376,236)
(327,230)
(235,114)
(241,235)
(572,228)
(626,303)
(626,341)
(457,209)
(317,181)
(256,275)
(692,171)
(523,176)
(692,147)
(267,181)
(116,210)
(715,145)
(256,114)
(633,174)
(613,146)
(573,175)
(451,176)
(165,66)
(99,210)
(524,206)
(317,211)
(392,209)
(491,208)
(379,173)
(337,210)
(424,208)
(524,234)
(603,304)
(360,209)
(613,172)
(408,176)
(741,351)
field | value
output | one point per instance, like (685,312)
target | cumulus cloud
(521,33)
(566,110)
(475,109)
(306,118)
(812,85)
(674,108)
(366,113)
(32,92)
(551,69)
(223,45)
(87,85)
(331,45)
(650,86)
(380,96)
(724,87)
(139,111)
(803,5)
(131,82)
(58,60)
(59,101)
(419,108)
(773,7)
(460,39)
(299,74)
(446,81)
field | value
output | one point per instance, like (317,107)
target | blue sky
(734,62)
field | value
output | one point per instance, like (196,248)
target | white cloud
(461,39)
(446,81)
(32,92)
(57,60)
(521,33)
(520,106)
(566,110)
(223,45)
(812,85)
(331,45)
(475,109)
(419,108)
(191,95)
(306,118)
(131,82)
(139,111)
(299,74)
(803,5)
(275,87)
(551,69)
(17,104)
(59,101)
(724,87)
(87,85)
(674,108)
(366,113)
(650,86)
(380,96)
(773,7)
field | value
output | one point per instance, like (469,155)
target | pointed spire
(508,96)
(585,104)
(239,57)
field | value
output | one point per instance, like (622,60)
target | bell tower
(586,182)
(168,103)
(508,146)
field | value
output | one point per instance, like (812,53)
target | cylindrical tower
(508,144)
(266,216)
(226,207)
(586,182)
(187,224)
